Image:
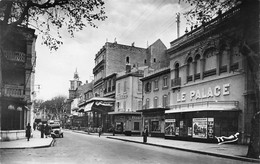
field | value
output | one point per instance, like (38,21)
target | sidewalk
(231,151)
(35,142)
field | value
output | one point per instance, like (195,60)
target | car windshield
(55,127)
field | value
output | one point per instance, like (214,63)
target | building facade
(128,99)
(213,91)
(17,67)
(156,96)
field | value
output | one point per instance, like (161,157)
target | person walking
(99,131)
(28,132)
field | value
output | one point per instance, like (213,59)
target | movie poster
(199,128)
(169,127)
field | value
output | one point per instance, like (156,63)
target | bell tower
(74,84)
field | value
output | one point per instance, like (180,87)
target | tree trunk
(254,145)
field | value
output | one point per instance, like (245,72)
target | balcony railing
(175,83)
(15,91)
(14,56)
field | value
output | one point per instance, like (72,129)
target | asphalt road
(81,148)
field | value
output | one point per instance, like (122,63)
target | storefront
(127,122)
(205,110)
(153,120)
(203,124)
(96,111)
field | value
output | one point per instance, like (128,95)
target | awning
(125,113)
(153,110)
(182,110)
(88,107)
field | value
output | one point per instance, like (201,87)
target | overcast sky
(139,21)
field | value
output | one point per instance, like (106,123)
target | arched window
(165,101)
(197,67)
(210,64)
(177,69)
(155,102)
(148,87)
(189,69)
(223,62)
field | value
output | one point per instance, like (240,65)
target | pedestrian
(28,131)
(47,130)
(99,131)
(34,125)
(42,130)
(145,134)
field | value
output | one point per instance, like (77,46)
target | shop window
(155,126)
(189,69)
(155,102)
(136,126)
(197,67)
(210,64)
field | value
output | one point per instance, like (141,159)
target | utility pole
(178,24)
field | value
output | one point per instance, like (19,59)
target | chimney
(127,68)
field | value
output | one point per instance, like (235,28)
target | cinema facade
(213,91)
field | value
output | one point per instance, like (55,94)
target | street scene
(140,81)
(78,147)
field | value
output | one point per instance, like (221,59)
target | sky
(138,21)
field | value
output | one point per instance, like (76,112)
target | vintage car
(56,131)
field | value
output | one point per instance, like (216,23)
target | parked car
(56,131)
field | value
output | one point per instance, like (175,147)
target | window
(144,61)
(165,81)
(165,101)
(155,102)
(127,59)
(155,126)
(197,67)
(148,87)
(154,60)
(124,105)
(147,104)
(124,86)
(156,84)
(140,105)
(136,126)
(210,64)
(118,88)
(189,69)
(118,105)
(139,89)
(223,62)
(176,70)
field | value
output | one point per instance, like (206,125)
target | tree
(49,17)
(54,107)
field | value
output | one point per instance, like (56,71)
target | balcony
(15,91)
(176,83)
(15,56)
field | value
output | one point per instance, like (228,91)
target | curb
(32,147)
(193,151)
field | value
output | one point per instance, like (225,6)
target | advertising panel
(169,127)
(210,127)
(199,128)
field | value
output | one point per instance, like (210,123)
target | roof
(125,113)
(153,110)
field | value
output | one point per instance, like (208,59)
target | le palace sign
(204,93)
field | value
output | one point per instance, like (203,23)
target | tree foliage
(50,16)
(205,10)
(54,107)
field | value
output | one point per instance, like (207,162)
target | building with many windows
(213,92)
(128,100)
(17,68)
(156,97)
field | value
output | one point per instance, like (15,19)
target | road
(81,148)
